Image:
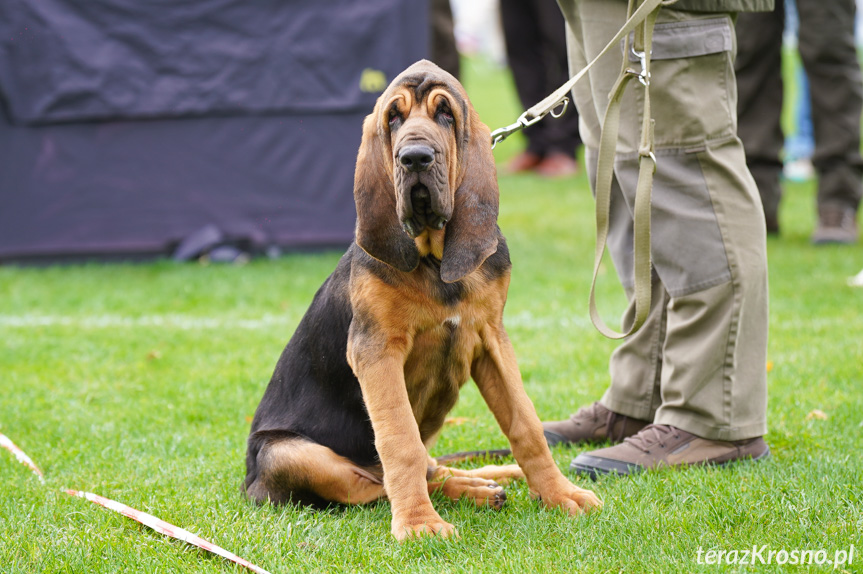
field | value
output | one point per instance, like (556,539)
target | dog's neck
(430,243)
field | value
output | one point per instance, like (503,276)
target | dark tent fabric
(126,126)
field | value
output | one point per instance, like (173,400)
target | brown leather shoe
(664,445)
(836,224)
(557,165)
(593,423)
(525,161)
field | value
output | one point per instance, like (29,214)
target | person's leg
(800,144)
(714,380)
(627,405)
(758,67)
(636,364)
(444,52)
(630,402)
(826,43)
(708,242)
(561,133)
(525,55)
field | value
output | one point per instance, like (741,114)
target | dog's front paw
(434,526)
(572,499)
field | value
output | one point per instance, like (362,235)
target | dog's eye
(395,118)
(444,114)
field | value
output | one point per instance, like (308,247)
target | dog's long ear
(471,234)
(378,231)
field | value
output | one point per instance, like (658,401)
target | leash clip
(643,77)
(525,120)
(501,134)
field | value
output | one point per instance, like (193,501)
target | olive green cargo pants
(699,362)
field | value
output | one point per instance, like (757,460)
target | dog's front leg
(499,380)
(378,362)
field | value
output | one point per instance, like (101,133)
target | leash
(641,18)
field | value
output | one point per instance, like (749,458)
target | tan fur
(430,242)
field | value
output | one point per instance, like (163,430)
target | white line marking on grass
(527,320)
(520,320)
(22,457)
(182,322)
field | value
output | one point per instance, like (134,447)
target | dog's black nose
(416,157)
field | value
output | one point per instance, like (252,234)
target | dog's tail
(472,454)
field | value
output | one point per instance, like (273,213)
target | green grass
(137,382)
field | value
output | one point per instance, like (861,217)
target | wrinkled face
(425,186)
(423,117)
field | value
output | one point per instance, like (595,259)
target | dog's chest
(436,368)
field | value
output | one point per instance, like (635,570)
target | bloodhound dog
(413,309)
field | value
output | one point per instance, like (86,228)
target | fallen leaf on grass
(769,366)
(456,421)
(817,414)
(154,354)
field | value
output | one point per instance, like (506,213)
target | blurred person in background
(535,36)
(800,143)
(829,56)
(444,52)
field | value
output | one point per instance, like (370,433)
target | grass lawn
(138,382)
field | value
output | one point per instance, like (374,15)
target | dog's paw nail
(438,529)
(499,500)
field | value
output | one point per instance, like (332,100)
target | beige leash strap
(641,19)
(643,39)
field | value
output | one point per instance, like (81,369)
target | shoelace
(651,435)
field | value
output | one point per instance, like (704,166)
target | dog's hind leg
(304,472)
(502,474)
(483,485)
(482,491)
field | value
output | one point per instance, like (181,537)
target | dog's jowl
(413,310)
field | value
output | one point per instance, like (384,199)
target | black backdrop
(127,126)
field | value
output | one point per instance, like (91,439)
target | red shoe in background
(525,161)
(556,165)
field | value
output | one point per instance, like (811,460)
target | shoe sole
(834,241)
(594,466)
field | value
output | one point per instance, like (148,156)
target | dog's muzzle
(424,202)
(423,213)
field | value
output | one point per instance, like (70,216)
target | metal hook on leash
(564,103)
(643,76)
(525,120)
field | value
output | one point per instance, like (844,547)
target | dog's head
(425,166)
